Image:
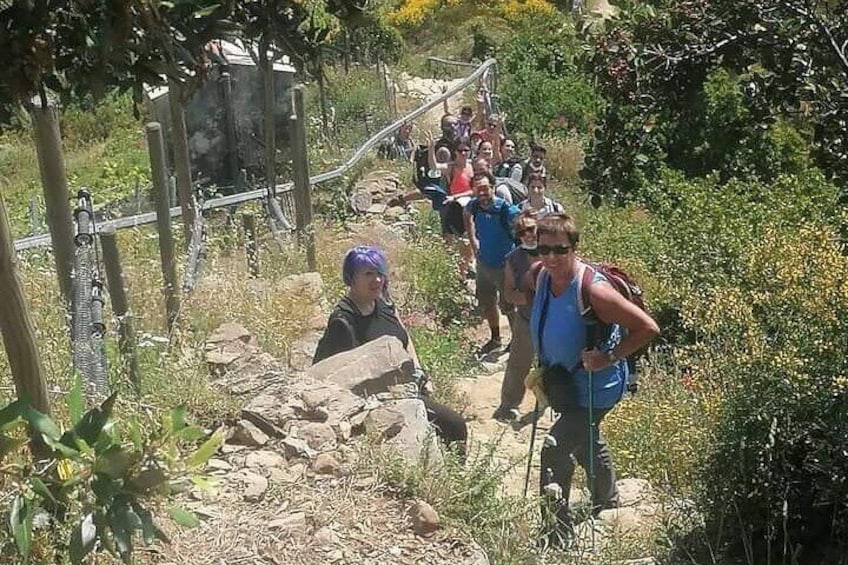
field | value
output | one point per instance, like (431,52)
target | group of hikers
(521,248)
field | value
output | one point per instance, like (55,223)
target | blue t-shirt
(564,339)
(491,227)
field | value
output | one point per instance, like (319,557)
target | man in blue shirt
(488,222)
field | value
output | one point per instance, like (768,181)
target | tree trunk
(182,165)
(269,121)
(16,326)
(346,54)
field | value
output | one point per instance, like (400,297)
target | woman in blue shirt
(559,334)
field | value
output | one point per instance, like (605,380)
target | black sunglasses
(552,249)
(525,230)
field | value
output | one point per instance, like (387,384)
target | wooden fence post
(54,182)
(182,164)
(120,304)
(248,221)
(300,170)
(16,326)
(159,174)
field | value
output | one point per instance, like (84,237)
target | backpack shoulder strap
(584,293)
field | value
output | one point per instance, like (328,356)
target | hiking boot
(490,346)
(503,414)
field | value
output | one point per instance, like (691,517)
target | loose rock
(425,520)
(326,464)
(245,433)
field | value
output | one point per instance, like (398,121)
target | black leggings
(449,425)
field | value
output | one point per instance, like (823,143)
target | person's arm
(512,295)
(480,118)
(468,219)
(431,155)
(612,308)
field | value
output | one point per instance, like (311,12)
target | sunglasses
(552,249)
(527,230)
(463,150)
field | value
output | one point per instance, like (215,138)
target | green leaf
(149,530)
(183,517)
(41,423)
(91,424)
(122,521)
(191,433)
(148,479)
(11,412)
(20,522)
(207,450)
(83,538)
(207,11)
(41,489)
(178,421)
(76,400)
(113,463)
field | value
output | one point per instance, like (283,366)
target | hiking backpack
(517,190)
(421,164)
(598,332)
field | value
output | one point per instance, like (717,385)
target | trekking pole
(532,440)
(591,427)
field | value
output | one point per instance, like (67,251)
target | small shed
(224,118)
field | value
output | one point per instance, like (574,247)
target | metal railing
(485,71)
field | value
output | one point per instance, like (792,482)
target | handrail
(449,62)
(150,217)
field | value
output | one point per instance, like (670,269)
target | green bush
(537,102)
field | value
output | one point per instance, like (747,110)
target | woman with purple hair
(366,313)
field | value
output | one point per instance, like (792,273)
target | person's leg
(557,472)
(604,489)
(487,299)
(517,366)
(448,423)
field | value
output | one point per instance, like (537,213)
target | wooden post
(120,304)
(300,170)
(230,127)
(269,121)
(16,326)
(248,221)
(182,165)
(54,182)
(159,175)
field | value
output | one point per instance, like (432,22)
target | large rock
(327,401)
(416,441)
(632,492)
(384,422)
(369,369)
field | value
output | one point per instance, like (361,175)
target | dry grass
(564,158)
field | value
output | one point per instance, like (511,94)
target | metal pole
(159,174)
(248,221)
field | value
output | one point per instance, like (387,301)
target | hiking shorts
(452,220)
(490,287)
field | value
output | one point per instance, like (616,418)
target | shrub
(782,436)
